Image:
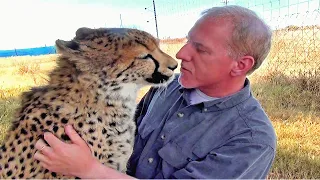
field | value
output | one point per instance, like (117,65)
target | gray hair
(251,35)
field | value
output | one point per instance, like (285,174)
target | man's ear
(242,66)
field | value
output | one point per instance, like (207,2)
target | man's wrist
(97,170)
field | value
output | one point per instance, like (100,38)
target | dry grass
(288,89)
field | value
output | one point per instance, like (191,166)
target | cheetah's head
(119,54)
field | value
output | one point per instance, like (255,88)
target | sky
(36,23)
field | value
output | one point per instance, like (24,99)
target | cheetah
(94,88)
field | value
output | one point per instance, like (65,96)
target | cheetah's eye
(145,56)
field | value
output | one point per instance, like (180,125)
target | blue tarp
(29,51)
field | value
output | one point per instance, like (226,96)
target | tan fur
(93,88)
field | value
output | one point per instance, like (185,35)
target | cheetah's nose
(173,68)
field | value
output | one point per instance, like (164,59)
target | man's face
(205,57)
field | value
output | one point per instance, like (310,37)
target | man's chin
(183,82)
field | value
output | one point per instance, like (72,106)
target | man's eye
(201,50)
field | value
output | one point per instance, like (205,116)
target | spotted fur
(94,88)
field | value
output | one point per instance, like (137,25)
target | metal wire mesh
(296,32)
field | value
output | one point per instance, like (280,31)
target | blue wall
(28,51)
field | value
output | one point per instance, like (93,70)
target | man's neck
(223,89)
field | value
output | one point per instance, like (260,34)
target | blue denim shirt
(231,137)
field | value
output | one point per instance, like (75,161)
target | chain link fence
(295,24)
(295,51)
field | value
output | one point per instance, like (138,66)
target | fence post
(155,17)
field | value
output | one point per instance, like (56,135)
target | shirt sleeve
(232,161)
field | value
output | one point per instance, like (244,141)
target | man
(206,123)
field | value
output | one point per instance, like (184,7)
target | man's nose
(183,53)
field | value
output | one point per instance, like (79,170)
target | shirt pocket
(174,155)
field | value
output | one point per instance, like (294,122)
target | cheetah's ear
(83,32)
(67,46)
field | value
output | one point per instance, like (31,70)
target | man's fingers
(42,147)
(74,136)
(52,140)
(40,157)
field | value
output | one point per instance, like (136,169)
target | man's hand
(73,159)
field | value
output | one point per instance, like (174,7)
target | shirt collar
(224,102)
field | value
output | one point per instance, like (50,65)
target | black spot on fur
(64,120)
(49,122)
(9,173)
(10,159)
(80,124)
(56,115)
(99,119)
(65,137)
(21,160)
(43,115)
(91,122)
(22,117)
(32,170)
(110,142)
(109,104)
(116,88)
(90,142)
(113,124)
(58,108)
(54,174)
(91,130)
(104,131)
(33,127)
(77,117)
(23,131)
(55,128)
(110,161)
(36,120)
(21,175)
(29,155)
(24,148)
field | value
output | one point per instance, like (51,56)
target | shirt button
(163,137)
(205,109)
(150,160)
(180,115)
